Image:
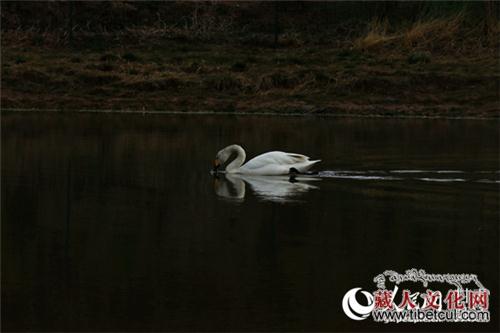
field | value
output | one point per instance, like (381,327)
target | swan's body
(271,163)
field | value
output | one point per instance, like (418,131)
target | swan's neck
(238,161)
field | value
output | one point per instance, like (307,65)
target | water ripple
(443,176)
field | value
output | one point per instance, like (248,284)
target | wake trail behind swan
(442,176)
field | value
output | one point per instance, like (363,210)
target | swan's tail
(304,166)
(312,163)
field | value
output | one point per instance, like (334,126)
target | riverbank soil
(438,66)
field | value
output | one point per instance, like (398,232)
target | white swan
(271,163)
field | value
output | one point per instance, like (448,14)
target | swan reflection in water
(267,188)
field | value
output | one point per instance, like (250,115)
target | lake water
(114,223)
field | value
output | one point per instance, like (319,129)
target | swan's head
(224,155)
(221,157)
(216,164)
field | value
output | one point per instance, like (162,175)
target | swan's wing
(276,158)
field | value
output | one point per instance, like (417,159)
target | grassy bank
(427,68)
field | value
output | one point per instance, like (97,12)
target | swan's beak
(216,165)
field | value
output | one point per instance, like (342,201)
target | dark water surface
(113,222)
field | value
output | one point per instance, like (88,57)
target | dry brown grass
(376,36)
(402,67)
(439,33)
(373,40)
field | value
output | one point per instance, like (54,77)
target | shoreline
(245,114)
